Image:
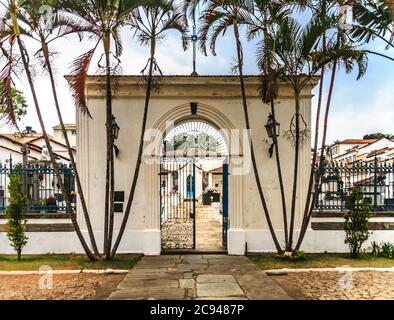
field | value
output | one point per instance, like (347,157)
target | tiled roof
(217,170)
(358,141)
(29,139)
(70,126)
(379,152)
(21,138)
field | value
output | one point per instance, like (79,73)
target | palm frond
(118,42)
(79,72)
(373,19)
(6,97)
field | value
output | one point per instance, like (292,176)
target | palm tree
(12,32)
(217,17)
(372,19)
(150,23)
(268,15)
(33,26)
(103,21)
(7,41)
(320,16)
(289,49)
(292,51)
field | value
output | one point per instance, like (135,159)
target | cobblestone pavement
(356,285)
(65,287)
(207,277)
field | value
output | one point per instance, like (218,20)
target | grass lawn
(321,260)
(64,262)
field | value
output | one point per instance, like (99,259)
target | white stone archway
(219,102)
(208,114)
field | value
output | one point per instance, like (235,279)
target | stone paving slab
(145,294)
(157,283)
(222,298)
(219,290)
(209,278)
(218,277)
(187,283)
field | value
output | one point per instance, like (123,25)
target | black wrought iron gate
(178,203)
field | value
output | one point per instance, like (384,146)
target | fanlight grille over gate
(196,134)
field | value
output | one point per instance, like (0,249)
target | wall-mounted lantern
(115,134)
(273,130)
(115,128)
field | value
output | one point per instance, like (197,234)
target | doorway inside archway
(194,188)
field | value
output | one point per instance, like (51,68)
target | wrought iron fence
(40,186)
(375,180)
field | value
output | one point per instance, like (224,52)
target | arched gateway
(194,186)
(200,126)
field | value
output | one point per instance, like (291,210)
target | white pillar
(236,236)
(83,164)
(152,236)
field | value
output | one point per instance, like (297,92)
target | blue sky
(359,107)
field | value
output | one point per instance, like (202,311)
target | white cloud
(355,119)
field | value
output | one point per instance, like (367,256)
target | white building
(339,150)
(71,130)
(15,145)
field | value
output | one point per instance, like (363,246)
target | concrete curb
(91,271)
(285,271)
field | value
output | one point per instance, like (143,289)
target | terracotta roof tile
(358,141)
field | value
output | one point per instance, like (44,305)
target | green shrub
(297,255)
(383,249)
(387,250)
(15,213)
(358,212)
(375,248)
(293,256)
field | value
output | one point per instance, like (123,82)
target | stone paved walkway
(200,277)
(357,285)
(208,229)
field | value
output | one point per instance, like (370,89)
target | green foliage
(19,104)
(15,214)
(356,221)
(187,141)
(378,136)
(384,249)
(375,248)
(297,255)
(387,250)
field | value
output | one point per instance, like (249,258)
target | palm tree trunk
(296,169)
(109,179)
(254,163)
(140,150)
(312,175)
(304,227)
(49,147)
(70,153)
(280,177)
